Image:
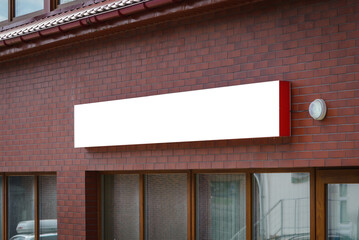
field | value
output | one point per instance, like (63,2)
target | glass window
(166,206)
(343,189)
(65,1)
(343,211)
(121,207)
(48,205)
(23,7)
(221,206)
(21,202)
(4,10)
(344,218)
(281,206)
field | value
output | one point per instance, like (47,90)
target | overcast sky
(2,16)
(3,9)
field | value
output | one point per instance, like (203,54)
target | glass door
(338,204)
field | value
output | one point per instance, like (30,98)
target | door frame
(323,178)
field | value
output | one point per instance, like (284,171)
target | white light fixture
(318,109)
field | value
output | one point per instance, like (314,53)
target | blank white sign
(234,112)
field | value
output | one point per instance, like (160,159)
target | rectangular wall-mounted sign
(255,110)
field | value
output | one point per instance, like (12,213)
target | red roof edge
(137,8)
(12,46)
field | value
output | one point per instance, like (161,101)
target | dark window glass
(221,206)
(121,207)
(21,202)
(23,7)
(166,206)
(48,206)
(4,10)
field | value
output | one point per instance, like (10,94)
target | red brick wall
(312,44)
(92,182)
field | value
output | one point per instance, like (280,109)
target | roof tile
(67,17)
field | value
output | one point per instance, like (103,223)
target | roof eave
(133,16)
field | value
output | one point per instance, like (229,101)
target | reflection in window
(65,1)
(281,207)
(300,177)
(221,206)
(343,211)
(21,202)
(4,10)
(23,7)
(48,205)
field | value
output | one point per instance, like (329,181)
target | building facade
(59,56)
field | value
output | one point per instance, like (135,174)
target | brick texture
(312,44)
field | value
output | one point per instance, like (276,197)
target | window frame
(36,203)
(325,177)
(191,196)
(49,5)
(11,18)
(142,202)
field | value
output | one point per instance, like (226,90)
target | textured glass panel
(343,211)
(121,207)
(23,7)
(65,1)
(221,207)
(281,206)
(166,206)
(21,203)
(48,206)
(4,10)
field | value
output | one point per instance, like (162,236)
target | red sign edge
(284,109)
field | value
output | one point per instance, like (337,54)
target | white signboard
(234,112)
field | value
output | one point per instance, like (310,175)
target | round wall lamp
(318,109)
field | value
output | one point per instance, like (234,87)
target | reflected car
(47,236)
(25,230)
